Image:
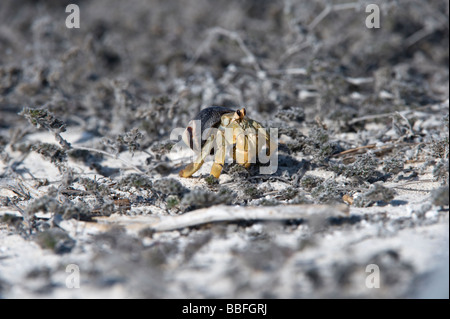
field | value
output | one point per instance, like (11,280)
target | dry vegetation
(85,122)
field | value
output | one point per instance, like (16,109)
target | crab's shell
(220,128)
(208,118)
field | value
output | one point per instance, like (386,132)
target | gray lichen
(377,193)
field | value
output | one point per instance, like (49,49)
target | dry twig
(330,8)
(213,33)
(128,165)
(229,213)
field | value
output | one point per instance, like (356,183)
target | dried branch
(330,8)
(376,150)
(402,114)
(131,166)
(370,117)
(230,213)
(354,150)
(213,33)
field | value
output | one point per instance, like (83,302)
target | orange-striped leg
(190,169)
(219,156)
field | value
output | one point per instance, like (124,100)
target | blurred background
(154,64)
(305,67)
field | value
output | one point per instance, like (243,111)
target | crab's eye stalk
(243,112)
(240,114)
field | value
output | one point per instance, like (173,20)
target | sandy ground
(407,239)
(91,203)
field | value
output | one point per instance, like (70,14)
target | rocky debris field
(91,203)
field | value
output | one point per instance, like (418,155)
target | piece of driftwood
(233,213)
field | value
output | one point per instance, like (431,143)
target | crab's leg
(270,147)
(219,157)
(190,169)
(242,150)
(253,147)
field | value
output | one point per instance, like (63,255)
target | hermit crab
(223,132)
